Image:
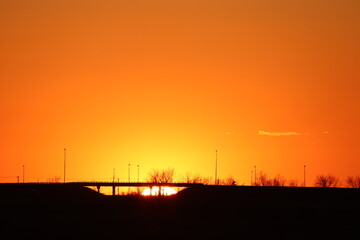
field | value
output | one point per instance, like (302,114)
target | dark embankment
(223,212)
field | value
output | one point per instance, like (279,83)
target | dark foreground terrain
(210,212)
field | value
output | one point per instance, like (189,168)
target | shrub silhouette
(190,178)
(353,182)
(293,183)
(162,176)
(278,181)
(228,181)
(264,180)
(326,181)
(55,179)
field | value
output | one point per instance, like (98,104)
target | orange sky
(164,83)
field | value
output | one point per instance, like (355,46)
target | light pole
(129,178)
(216,167)
(114,175)
(129,172)
(64,165)
(251,181)
(138,167)
(23,173)
(304,175)
(255,175)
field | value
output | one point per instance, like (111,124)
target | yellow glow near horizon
(154,191)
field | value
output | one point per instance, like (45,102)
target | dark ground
(208,212)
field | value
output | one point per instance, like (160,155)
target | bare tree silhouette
(205,180)
(353,182)
(187,177)
(326,181)
(55,179)
(278,181)
(191,178)
(228,181)
(293,183)
(263,180)
(161,176)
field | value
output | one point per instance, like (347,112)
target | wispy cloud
(278,134)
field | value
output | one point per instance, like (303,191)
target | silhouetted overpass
(150,185)
(98,185)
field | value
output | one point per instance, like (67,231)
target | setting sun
(154,191)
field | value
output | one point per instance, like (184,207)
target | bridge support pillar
(98,188)
(113,190)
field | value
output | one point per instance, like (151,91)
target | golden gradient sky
(163,84)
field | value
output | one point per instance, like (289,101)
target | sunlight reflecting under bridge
(154,191)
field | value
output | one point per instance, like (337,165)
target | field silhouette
(61,211)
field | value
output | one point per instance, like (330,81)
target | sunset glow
(154,191)
(141,85)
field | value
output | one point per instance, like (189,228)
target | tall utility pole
(113,175)
(129,172)
(23,173)
(64,165)
(129,178)
(255,175)
(138,166)
(304,175)
(216,167)
(251,181)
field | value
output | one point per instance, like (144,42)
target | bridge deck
(113,185)
(133,184)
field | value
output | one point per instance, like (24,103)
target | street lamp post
(64,165)
(138,167)
(129,178)
(255,180)
(304,175)
(129,172)
(216,167)
(113,175)
(251,181)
